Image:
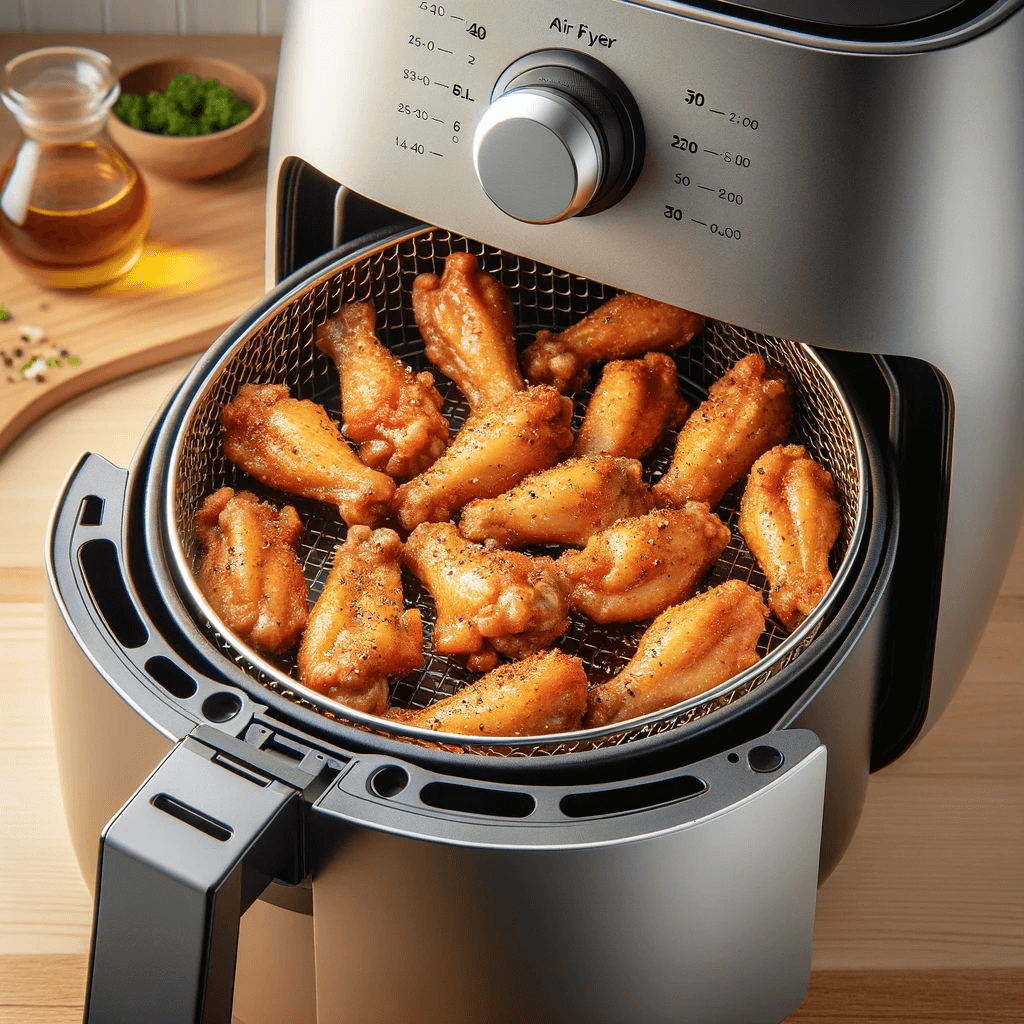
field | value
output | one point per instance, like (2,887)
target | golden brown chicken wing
(565,504)
(747,411)
(496,447)
(293,446)
(688,649)
(487,601)
(628,325)
(249,571)
(468,330)
(360,634)
(633,403)
(393,414)
(790,517)
(635,569)
(544,693)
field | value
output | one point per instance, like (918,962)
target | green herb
(188,106)
(4,315)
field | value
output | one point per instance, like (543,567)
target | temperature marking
(435,153)
(712,152)
(443,50)
(722,112)
(455,17)
(707,188)
(702,223)
(437,119)
(443,86)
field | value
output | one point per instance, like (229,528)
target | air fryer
(661,871)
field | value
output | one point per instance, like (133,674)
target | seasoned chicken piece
(487,601)
(249,571)
(292,445)
(628,325)
(360,634)
(635,569)
(544,693)
(688,649)
(495,449)
(565,504)
(633,403)
(747,411)
(393,414)
(468,329)
(789,517)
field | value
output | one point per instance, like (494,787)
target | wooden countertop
(923,920)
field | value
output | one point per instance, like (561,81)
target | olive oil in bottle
(74,209)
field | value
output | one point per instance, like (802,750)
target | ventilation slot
(107,588)
(630,798)
(190,816)
(498,803)
(91,512)
(176,682)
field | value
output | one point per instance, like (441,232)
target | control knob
(562,137)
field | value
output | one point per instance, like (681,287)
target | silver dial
(538,155)
(561,137)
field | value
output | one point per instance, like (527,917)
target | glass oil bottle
(74,209)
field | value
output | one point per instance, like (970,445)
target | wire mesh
(281,349)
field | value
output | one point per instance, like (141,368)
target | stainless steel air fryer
(841,192)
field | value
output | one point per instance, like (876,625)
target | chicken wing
(633,403)
(487,601)
(468,329)
(393,414)
(495,449)
(359,633)
(789,517)
(544,693)
(747,411)
(628,325)
(688,649)
(565,504)
(635,569)
(249,571)
(293,446)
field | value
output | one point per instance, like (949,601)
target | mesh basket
(280,348)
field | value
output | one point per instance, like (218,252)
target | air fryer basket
(280,348)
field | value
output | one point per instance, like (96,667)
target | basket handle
(179,864)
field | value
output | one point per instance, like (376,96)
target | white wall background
(248,17)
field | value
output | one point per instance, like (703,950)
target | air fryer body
(882,221)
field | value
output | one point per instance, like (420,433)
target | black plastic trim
(308,215)
(833,20)
(922,430)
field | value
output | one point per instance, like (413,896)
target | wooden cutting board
(201,267)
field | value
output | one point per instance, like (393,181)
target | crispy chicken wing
(565,504)
(790,517)
(544,693)
(628,325)
(747,411)
(359,633)
(635,569)
(496,447)
(633,403)
(688,649)
(487,601)
(393,414)
(468,329)
(249,571)
(293,446)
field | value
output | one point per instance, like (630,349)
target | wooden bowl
(191,156)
